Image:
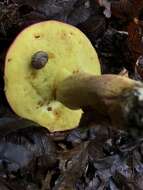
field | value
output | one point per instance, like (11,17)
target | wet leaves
(126,8)
(26,154)
(94,157)
(114,51)
(97,169)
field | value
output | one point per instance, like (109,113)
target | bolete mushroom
(52,71)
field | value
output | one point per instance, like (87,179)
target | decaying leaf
(26,153)
(126,9)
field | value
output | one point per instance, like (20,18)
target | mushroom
(69,78)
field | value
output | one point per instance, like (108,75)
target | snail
(54,95)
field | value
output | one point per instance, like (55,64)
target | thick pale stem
(109,94)
(82,90)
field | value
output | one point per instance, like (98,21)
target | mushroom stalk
(118,97)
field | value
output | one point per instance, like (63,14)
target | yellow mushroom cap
(31,92)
